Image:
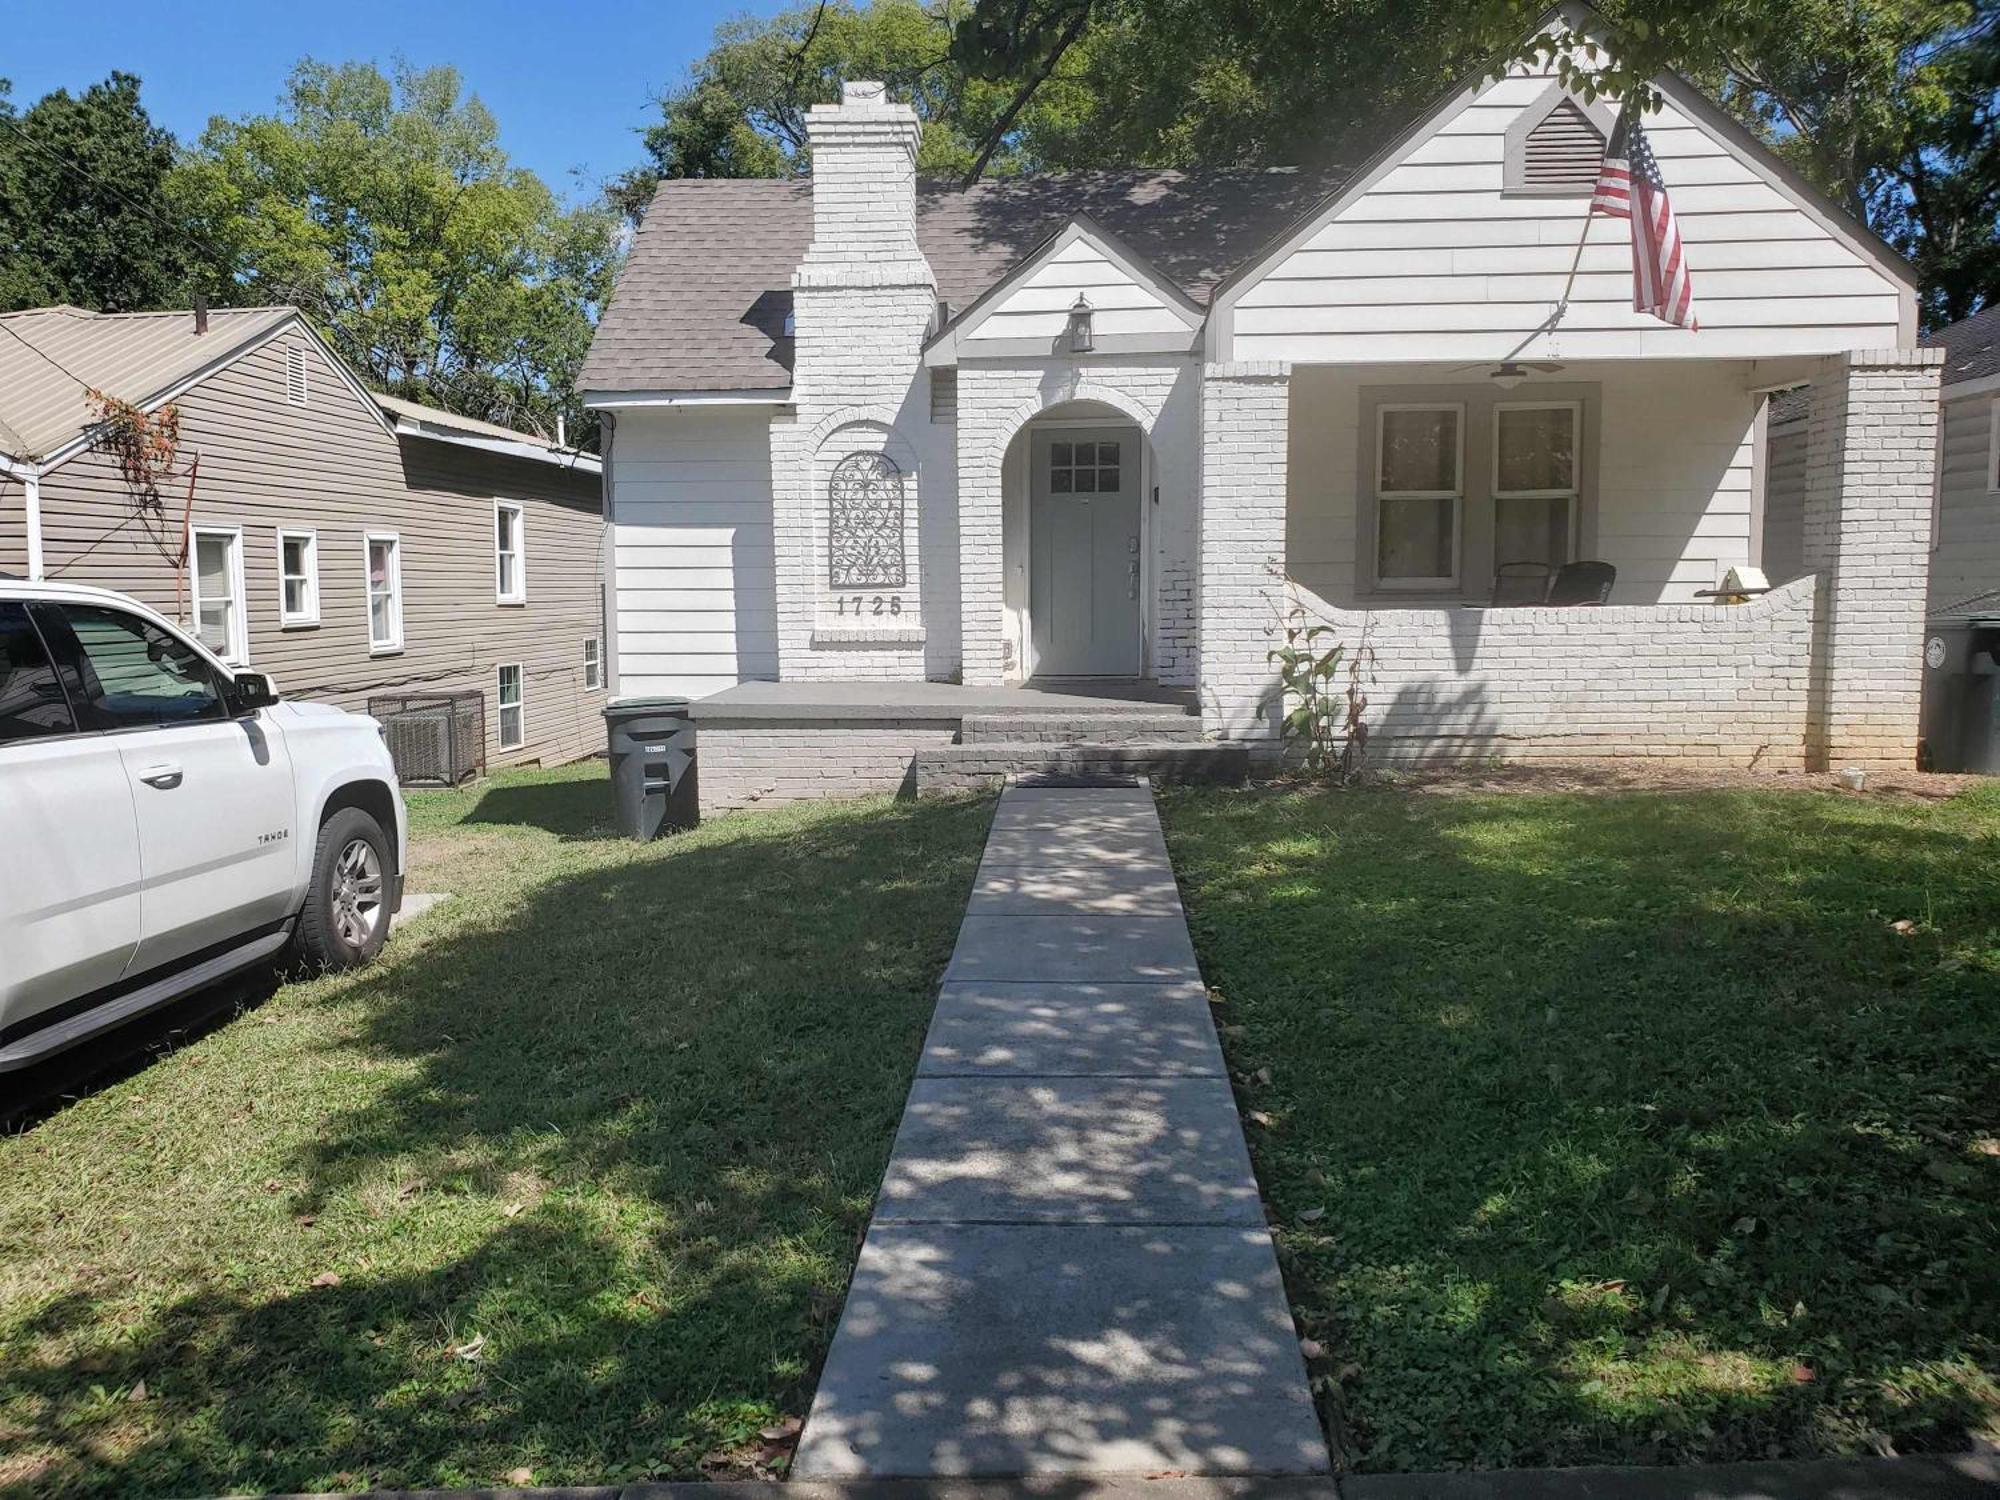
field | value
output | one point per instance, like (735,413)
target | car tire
(346,915)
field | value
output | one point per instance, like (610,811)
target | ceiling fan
(1511,372)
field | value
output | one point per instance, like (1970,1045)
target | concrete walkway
(1068,1270)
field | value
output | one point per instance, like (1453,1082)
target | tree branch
(1026,92)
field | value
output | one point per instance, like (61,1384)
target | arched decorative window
(865,523)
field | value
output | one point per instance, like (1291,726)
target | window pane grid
(385,589)
(510,708)
(1085,468)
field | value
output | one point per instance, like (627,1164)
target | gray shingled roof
(1971,347)
(51,357)
(702,300)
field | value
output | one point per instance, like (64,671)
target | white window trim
(238,652)
(520,594)
(1574,493)
(288,619)
(520,704)
(593,664)
(1456,496)
(368,540)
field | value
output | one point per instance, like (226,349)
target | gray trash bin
(652,765)
(1961,712)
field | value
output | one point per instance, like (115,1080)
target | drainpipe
(31,496)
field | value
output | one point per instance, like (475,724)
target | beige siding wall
(1967,560)
(1435,261)
(329,467)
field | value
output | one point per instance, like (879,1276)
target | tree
(388,211)
(83,214)
(742,110)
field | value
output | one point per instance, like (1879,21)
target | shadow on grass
(636,1122)
(1640,1130)
(568,808)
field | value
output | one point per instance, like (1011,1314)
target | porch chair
(1582,583)
(1520,583)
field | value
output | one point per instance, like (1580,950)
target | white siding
(1435,262)
(691,537)
(1671,498)
(1967,561)
(1039,307)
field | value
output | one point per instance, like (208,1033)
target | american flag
(1629,186)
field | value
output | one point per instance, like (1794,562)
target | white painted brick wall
(1245,411)
(1871,471)
(762,761)
(1726,683)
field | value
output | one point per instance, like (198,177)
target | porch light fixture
(1080,338)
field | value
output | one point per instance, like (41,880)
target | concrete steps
(1142,724)
(982,765)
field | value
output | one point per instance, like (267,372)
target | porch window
(1535,481)
(1084,469)
(1419,493)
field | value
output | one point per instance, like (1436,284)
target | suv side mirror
(250,691)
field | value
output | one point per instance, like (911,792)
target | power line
(40,352)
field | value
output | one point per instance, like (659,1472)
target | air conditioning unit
(435,739)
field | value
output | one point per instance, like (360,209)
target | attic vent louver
(296,390)
(1564,150)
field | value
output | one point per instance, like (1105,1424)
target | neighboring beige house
(1966,560)
(346,543)
(879,446)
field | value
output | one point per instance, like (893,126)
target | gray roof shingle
(701,303)
(1971,346)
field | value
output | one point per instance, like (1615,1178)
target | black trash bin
(1961,709)
(652,766)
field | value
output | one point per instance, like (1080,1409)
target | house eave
(566,458)
(619,400)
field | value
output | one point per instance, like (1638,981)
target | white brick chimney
(863,304)
(864,174)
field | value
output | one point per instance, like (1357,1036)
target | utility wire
(36,349)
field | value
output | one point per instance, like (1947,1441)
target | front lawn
(569,1183)
(1619,1128)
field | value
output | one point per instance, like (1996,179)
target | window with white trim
(510,557)
(298,577)
(298,390)
(385,591)
(513,724)
(1419,494)
(216,589)
(1536,461)
(593,663)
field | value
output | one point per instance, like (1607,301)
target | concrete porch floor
(913,701)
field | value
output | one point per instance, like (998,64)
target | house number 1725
(865,604)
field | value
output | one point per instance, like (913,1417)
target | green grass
(1622,1128)
(590,1151)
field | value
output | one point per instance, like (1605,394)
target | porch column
(1871,465)
(1245,422)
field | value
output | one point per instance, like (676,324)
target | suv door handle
(166,775)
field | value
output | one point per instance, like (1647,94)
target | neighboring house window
(1419,494)
(1535,465)
(513,729)
(510,562)
(593,663)
(217,577)
(298,578)
(385,591)
(1084,469)
(297,391)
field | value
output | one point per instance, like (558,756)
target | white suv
(165,821)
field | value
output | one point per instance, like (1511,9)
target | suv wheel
(346,918)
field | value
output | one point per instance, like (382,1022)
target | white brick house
(1359,397)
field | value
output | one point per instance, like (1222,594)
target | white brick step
(978,767)
(1158,726)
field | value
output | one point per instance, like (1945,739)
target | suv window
(32,702)
(135,674)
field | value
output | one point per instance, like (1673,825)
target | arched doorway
(1078,544)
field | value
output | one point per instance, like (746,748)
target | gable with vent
(1555,146)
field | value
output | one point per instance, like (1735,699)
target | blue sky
(569,86)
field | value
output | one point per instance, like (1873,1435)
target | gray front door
(1083,540)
